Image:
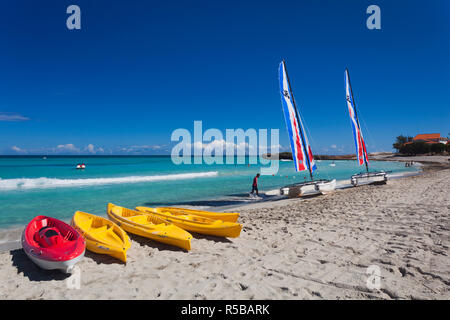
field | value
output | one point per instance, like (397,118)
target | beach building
(430,138)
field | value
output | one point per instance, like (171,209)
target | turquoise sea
(31,186)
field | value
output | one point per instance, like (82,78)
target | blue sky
(137,70)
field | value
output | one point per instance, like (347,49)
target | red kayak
(53,244)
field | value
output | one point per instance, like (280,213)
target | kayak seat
(100,229)
(69,236)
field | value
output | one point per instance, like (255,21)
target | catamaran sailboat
(301,151)
(378,177)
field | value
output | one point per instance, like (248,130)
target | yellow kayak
(195,223)
(101,235)
(149,226)
(224,216)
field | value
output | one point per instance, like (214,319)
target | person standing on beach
(255,184)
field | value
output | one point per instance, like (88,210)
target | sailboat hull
(326,187)
(379,177)
(309,187)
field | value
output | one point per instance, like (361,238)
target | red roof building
(430,138)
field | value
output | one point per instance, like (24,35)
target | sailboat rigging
(301,150)
(361,151)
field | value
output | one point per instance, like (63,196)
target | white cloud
(140,148)
(217,143)
(68,147)
(90,148)
(242,147)
(7,116)
(333,146)
(18,150)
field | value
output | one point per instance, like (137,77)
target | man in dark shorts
(255,184)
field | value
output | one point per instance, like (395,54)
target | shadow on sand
(32,271)
(102,258)
(211,238)
(309,196)
(154,244)
(233,200)
(208,203)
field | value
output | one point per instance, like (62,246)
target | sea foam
(36,183)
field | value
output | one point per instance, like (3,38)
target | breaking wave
(37,183)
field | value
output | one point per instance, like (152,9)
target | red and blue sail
(301,151)
(361,151)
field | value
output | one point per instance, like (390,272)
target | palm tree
(400,141)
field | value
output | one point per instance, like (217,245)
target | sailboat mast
(356,115)
(299,123)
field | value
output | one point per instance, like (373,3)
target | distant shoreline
(378,156)
(288,156)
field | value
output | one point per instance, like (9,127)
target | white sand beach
(311,248)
